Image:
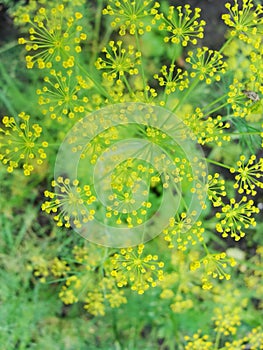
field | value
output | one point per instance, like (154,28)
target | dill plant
(83,71)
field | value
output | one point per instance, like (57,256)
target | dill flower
(206,64)
(179,305)
(54,36)
(118,61)
(236,216)
(60,97)
(69,291)
(207,130)
(198,342)
(116,298)
(128,15)
(94,303)
(19,144)
(40,267)
(245,21)
(215,189)
(249,175)
(214,265)
(59,267)
(227,319)
(182,25)
(171,81)
(183,232)
(133,267)
(68,203)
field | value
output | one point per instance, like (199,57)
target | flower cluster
(53,37)
(118,61)
(214,265)
(236,216)
(183,232)
(249,175)
(182,25)
(245,22)
(206,64)
(129,15)
(141,271)
(172,81)
(19,144)
(197,342)
(216,189)
(227,319)
(59,98)
(69,203)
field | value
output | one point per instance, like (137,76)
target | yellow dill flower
(216,189)
(139,270)
(54,36)
(128,15)
(118,61)
(245,21)
(69,203)
(59,267)
(235,217)
(198,342)
(60,97)
(172,81)
(19,144)
(40,266)
(227,319)
(69,290)
(94,303)
(180,305)
(255,338)
(116,298)
(182,25)
(249,175)
(183,232)
(214,266)
(207,130)
(206,64)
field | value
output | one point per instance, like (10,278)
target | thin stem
(217,340)
(141,66)
(186,95)
(127,85)
(169,78)
(226,44)
(217,108)
(97,85)
(217,163)
(215,101)
(96,30)
(8,46)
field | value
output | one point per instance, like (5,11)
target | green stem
(217,163)
(96,30)
(127,85)
(97,85)
(169,78)
(8,46)
(217,108)
(186,95)
(215,101)
(244,133)
(226,44)
(141,66)
(206,249)
(217,340)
